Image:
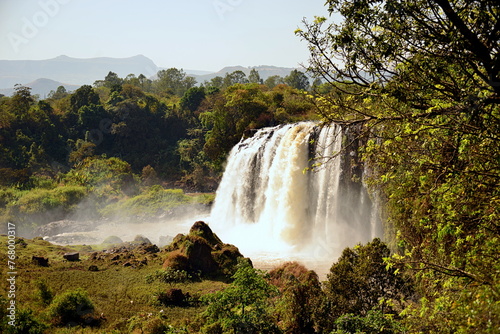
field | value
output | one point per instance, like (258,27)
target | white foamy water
(274,210)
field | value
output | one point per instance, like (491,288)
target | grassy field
(123,299)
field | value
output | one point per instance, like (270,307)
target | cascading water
(268,204)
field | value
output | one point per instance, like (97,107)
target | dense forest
(114,140)
(420,80)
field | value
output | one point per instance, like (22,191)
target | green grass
(121,295)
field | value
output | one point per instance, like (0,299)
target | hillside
(74,71)
(42,87)
(79,71)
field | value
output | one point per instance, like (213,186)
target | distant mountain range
(46,75)
(42,87)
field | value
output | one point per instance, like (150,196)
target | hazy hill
(74,71)
(265,71)
(77,71)
(41,87)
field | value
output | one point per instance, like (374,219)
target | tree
(174,81)
(243,307)
(359,281)
(83,96)
(421,78)
(112,80)
(254,77)
(22,100)
(144,82)
(58,94)
(192,98)
(300,298)
(233,113)
(297,79)
(236,77)
(273,81)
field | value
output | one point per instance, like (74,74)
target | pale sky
(189,34)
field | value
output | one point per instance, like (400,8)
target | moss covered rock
(202,251)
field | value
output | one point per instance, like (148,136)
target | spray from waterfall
(293,191)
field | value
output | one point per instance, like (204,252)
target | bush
(26,323)
(44,293)
(169,275)
(244,306)
(375,322)
(71,308)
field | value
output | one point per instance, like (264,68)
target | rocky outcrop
(203,252)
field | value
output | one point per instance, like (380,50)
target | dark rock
(173,297)
(93,268)
(151,249)
(40,261)
(75,256)
(199,254)
(203,230)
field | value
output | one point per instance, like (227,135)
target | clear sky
(189,34)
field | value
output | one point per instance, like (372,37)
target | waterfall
(292,190)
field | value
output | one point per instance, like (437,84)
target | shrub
(244,306)
(71,308)
(44,293)
(169,275)
(146,324)
(375,322)
(26,323)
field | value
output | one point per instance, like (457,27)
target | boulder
(75,256)
(40,261)
(150,248)
(173,297)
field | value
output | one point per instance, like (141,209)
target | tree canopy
(421,78)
